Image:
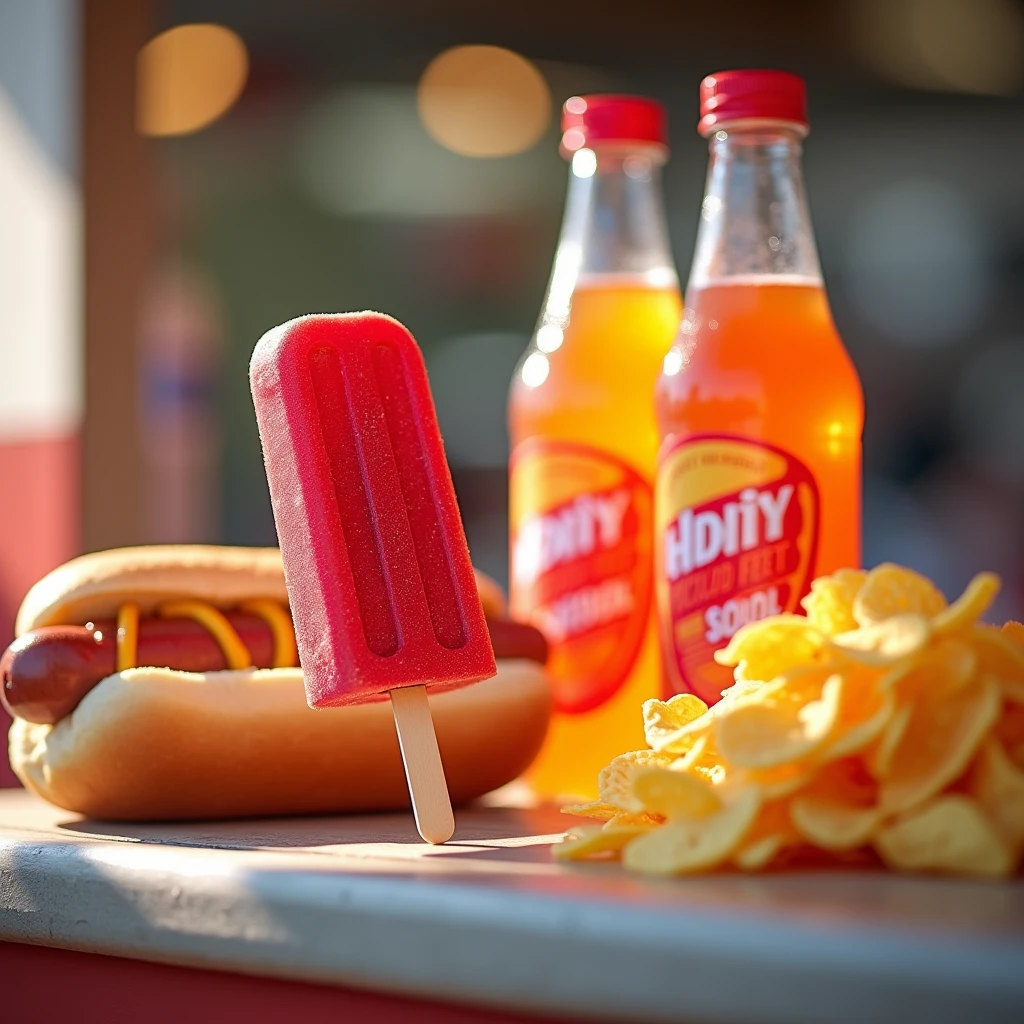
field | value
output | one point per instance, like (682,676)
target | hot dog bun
(160,744)
(151,744)
(94,586)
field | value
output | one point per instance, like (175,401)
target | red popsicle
(379,577)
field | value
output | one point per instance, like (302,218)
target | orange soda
(585,441)
(759,407)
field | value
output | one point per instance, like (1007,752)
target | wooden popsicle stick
(431,804)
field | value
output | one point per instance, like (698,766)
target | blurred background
(178,176)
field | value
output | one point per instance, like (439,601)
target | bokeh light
(972,46)
(188,77)
(584,163)
(673,362)
(483,101)
(535,370)
(362,151)
(550,337)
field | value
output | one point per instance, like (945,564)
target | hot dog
(46,672)
(155,683)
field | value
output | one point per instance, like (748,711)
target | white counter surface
(490,920)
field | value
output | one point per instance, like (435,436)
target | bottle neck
(754,219)
(614,225)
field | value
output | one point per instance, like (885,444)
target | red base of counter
(41,984)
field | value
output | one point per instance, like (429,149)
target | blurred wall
(120,241)
(40,284)
(321,190)
(70,299)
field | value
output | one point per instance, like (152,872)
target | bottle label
(736,527)
(581,561)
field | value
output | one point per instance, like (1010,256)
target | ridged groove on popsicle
(380,626)
(419,491)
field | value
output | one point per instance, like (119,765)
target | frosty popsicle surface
(379,578)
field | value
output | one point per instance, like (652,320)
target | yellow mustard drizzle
(280,622)
(236,654)
(127,636)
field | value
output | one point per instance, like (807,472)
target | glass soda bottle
(584,440)
(758,405)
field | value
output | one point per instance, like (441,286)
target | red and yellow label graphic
(581,554)
(736,524)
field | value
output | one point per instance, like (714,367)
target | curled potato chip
(1009,730)
(628,819)
(846,782)
(704,761)
(776,783)
(684,739)
(884,643)
(879,758)
(590,841)
(1012,690)
(764,649)
(701,751)
(864,711)
(1014,632)
(714,775)
(771,833)
(946,664)
(665,720)
(969,606)
(952,664)
(998,786)
(794,688)
(594,809)
(829,605)
(832,825)
(892,590)
(944,731)
(675,794)
(757,734)
(615,781)
(759,853)
(1000,656)
(740,689)
(949,834)
(695,844)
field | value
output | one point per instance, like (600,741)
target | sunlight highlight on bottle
(584,442)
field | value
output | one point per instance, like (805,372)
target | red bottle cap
(744,95)
(591,119)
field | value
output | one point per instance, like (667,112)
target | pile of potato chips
(884,725)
